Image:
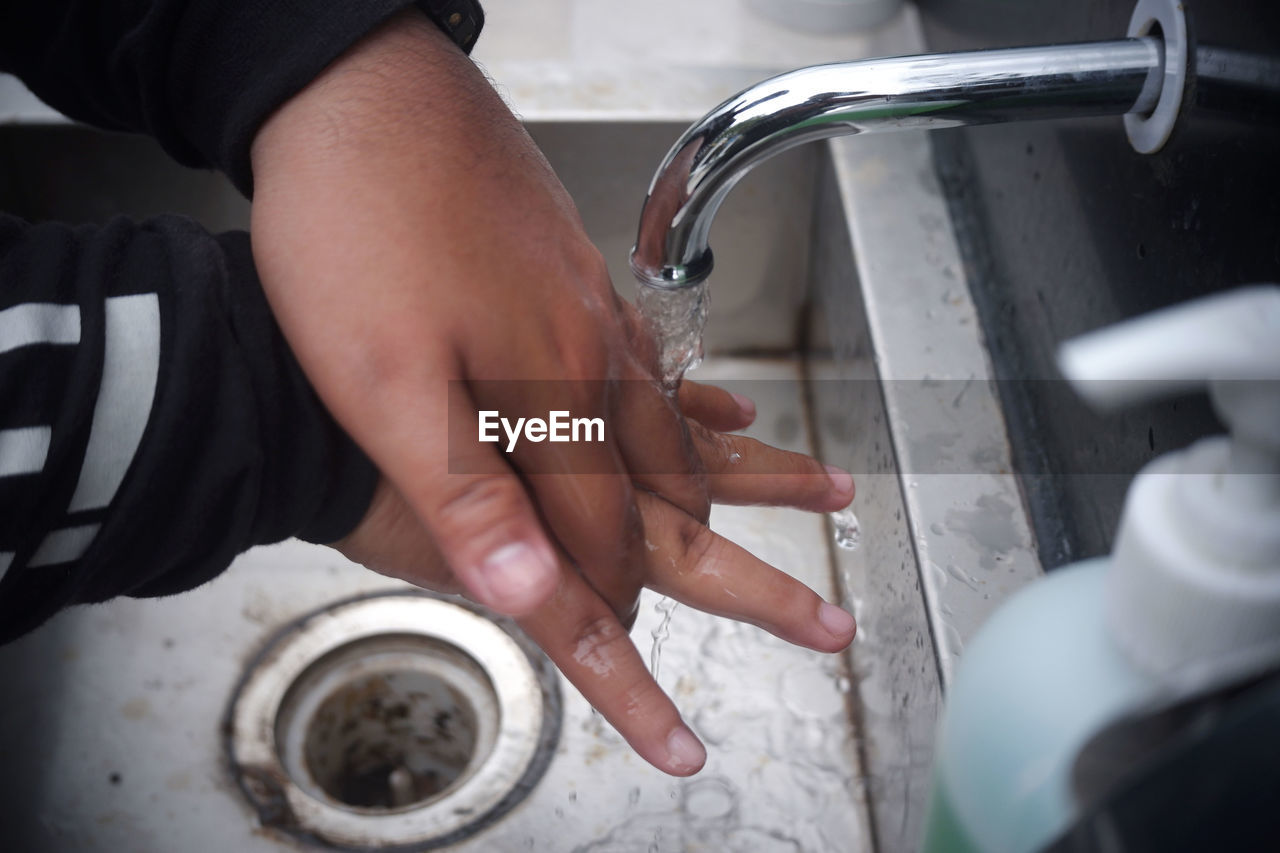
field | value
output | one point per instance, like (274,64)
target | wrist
(383,87)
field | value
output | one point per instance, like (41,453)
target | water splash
(665,606)
(848,530)
(676,319)
(963,576)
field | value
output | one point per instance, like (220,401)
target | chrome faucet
(1142,78)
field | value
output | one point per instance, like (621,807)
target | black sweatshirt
(153,422)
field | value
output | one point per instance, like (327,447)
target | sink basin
(839,305)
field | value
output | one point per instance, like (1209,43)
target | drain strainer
(392,720)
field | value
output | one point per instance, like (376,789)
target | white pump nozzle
(1229,342)
(1194,589)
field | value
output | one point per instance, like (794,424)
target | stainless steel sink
(112,733)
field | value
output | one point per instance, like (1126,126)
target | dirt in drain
(389,785)
(390,740)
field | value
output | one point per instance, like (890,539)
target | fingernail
(684,749)
(840,478)
(747,405)
(837,622)
(513,576)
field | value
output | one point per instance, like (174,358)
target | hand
(413,242)
(684,559)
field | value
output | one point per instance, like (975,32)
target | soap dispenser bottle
(1188,602)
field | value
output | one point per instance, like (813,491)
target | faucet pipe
(874,95)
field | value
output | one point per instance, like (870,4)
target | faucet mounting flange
(1166,19)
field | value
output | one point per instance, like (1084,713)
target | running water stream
(665,606)
(677,317)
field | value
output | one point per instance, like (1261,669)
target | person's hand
(684,559)
(414,244)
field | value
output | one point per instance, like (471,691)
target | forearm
(153,423)
(198,75)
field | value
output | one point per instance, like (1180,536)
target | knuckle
(584,356)
(698,545)
(643,699)
(599,641)
(716,451)
(589,261)
(479,501)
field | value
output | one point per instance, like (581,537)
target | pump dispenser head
(1194,588)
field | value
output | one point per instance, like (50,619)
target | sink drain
(392,720)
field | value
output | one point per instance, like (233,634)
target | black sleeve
(153,421)
(198,75)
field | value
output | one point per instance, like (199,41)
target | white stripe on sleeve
(64,546)
(130,369)
(24,450)
(39,323)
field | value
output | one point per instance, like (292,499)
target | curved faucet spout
(928,91)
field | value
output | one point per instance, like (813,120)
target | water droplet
(964,578)
(806,692)
(848,530)
(735,458)
(937,529)
(952,636)
(710,799)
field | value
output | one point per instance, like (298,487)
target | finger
(594,518)
(584,639)
(699,568)
(716,408)
(656,446)
(744,471)
(581,485)
(475,508)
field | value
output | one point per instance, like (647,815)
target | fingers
(577,629)
(584,638)
(686,561)
(594,518)
(656,446)
(780,478)
(744,471)
(479,514)
(580,485)
(715,408)
(699,568)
